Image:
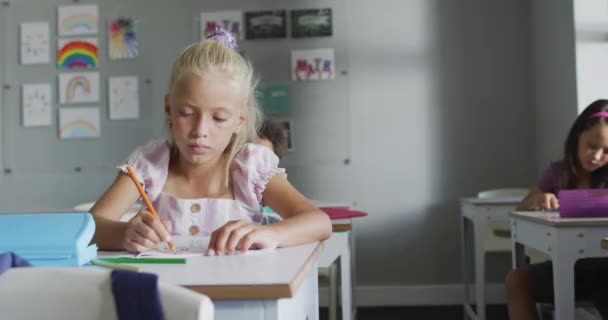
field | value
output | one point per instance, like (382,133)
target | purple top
(550,180)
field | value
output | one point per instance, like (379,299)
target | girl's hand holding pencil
(146,229)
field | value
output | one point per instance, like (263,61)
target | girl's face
(204,112)
(593,147)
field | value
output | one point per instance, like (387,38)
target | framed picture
(312,64)
(265,24)
(311,23)
(274,98)
(229,20)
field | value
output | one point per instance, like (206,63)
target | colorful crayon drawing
(78,87)
(77,53)
(229,20)
(35,43)
(36,105)
(122,42)
(316,64)
(77,20)
(78,123)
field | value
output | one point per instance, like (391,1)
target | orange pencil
(145,198)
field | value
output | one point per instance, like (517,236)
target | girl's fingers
(236,235)
(211,249)
(160,232)
(133,246)
(167,224)
(141,243)
(546,203)
(223,234)
(247,241)
(554,203)
(143,230)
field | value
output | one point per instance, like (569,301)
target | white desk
(565,241)
(341,245)
(476,213)
(282,285)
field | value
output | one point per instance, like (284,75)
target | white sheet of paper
(36,103)
(77,20)
(187,246)
(78,87)
(123,97)
(79,123)
(35,43)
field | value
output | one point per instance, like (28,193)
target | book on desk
(583,203)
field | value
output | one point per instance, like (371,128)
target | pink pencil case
(583,203)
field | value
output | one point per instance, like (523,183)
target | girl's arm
(108,209)
(303,223)
(537,199)
(140,233)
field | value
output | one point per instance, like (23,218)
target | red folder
(336,213)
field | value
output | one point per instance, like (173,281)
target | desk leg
(353,272)
(346,278)
(563,283)
(304,305)
(465,231)
(479,232)
(310,289)
(519,254)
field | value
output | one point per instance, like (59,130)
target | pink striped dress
(251,170)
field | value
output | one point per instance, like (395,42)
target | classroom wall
(41,172)
(590,20)
(555,77)
(440,105)
(84,168)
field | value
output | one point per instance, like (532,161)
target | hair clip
(224,37)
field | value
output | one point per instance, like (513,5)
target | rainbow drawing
(79,82)
(77,20)
(77,53)
(76,123)
(78,129)
(77,87)
(81,24)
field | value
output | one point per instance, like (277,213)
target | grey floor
(494,312)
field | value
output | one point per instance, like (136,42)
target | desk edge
(573,223)
(260,292)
